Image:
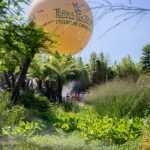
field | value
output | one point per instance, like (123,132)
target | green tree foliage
(63,68)
(98,68)
(54,70)
(128,69)
(145,59)
(84,79)
(111,73)
(11,10)
(19,43)
(45,81)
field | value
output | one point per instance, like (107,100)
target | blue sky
(127,39)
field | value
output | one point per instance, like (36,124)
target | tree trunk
(60,87)
(39,83)
(47,92)
(21,79)
(7,79)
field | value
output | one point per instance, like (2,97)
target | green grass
(75,142)
(120,98)
(62,141)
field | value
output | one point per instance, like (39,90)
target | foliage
(92,126)
(32,100)
(10,116)
(75,142)
(98,68)
(37,69)
(13,115)
(23,128)
(66,121)
(146,130)
(19,43)
(71,106)
(120,98)
(128,69)
(84,78)
(62,68)
(60,141)
(11,10)
(4,102)
(145,59)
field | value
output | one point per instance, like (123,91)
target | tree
(128,69)
(10,12)
(145,59)
(92,66)
(40,76)
(98,68)
(62,68)
(19,44)
(83,81)
(111,73)
(37,69)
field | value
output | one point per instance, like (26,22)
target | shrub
(4,101)
(110,129)
(92,126)
(10,116)
(71,106)
(120,98)
(32,100)
(23,128)
(13,115)
(66,121)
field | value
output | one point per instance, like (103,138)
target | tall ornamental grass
(120,98)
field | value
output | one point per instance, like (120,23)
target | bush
(66,121)
(94,127)
(120,98)
(10,116)
(23,128)
(4,101)
(13,115)
(32,100)
(71,106)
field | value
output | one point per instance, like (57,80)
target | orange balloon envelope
(70,20)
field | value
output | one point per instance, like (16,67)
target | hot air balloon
(70,20)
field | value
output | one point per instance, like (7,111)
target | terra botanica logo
(75,18)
